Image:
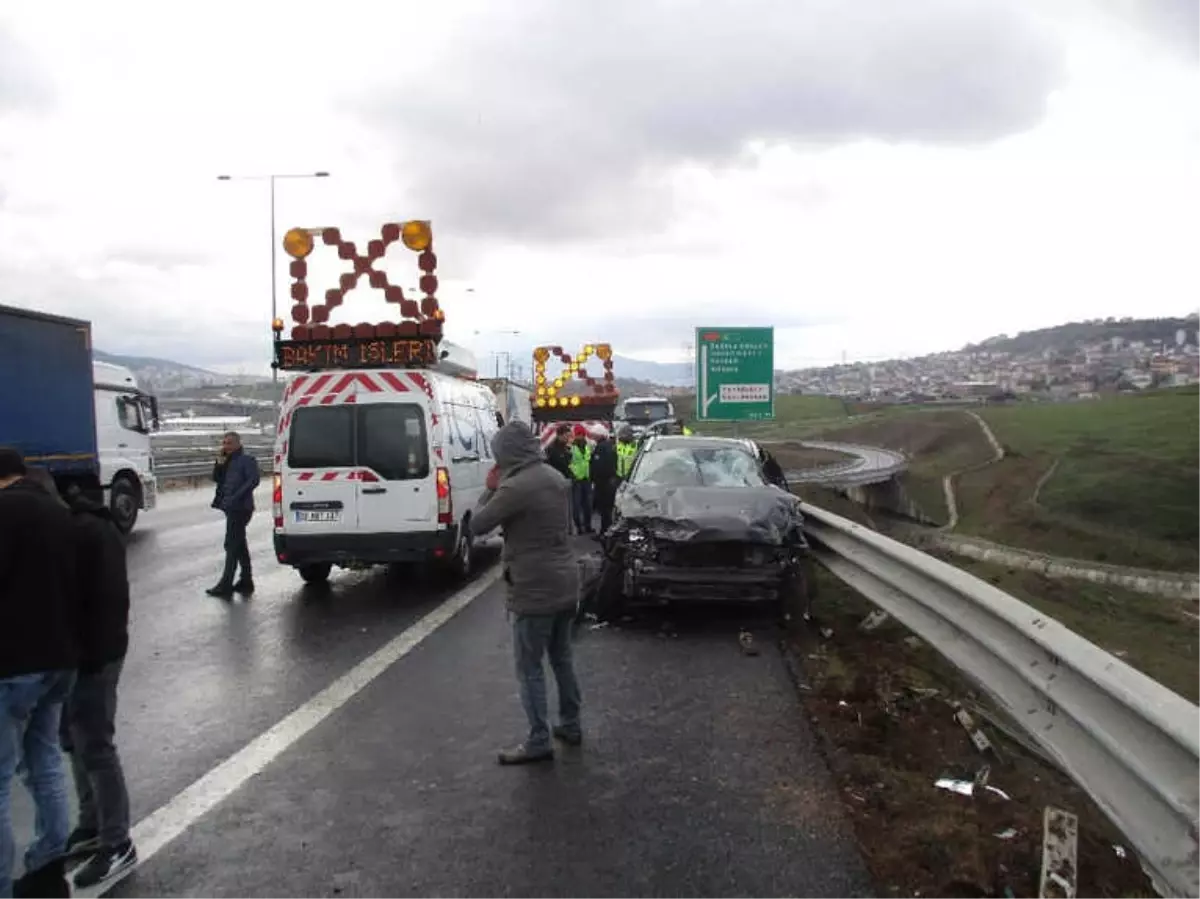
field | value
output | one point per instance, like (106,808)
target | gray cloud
(552,120)
(160,258)
(199,335)
(1175,24)
(24,83)
(646,330)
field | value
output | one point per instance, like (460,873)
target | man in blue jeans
(38,655)
(236,476)
(531,501)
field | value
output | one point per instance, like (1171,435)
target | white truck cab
(381,465)
(125,417)
(641,412)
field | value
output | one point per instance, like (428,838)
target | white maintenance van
(125,418)
(382,465)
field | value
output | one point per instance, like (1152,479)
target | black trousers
(237,549)
(605,493)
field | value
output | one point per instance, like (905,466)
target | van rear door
(320,494)
(397,490)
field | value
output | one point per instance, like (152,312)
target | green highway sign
(735,374)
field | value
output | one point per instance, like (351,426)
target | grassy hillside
(1118,479)
(1118,476)
(937,442)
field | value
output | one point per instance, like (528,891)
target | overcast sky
(872,177)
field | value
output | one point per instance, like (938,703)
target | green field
(1124,487)
(1123,490)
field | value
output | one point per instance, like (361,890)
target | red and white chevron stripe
(342,388)
(339,388)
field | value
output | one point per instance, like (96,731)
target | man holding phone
(236,476)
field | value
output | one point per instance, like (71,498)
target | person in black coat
(558,453)
(236,477)
(103,829)
(604,479)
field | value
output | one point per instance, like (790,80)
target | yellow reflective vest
(581,462)
(687,432)
(625,454)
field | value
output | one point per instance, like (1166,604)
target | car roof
(669,441)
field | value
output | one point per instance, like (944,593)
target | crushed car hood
(764,515)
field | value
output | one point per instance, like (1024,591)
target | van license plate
(315,515)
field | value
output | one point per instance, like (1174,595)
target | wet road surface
(698,775)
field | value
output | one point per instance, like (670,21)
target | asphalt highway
(341,741)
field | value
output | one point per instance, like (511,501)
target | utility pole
(274,250)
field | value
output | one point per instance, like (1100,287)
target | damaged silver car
(698,521)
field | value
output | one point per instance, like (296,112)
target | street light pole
(274,250)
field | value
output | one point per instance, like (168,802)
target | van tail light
(277,500)
(445,511)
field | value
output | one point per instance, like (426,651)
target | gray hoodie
(532,504)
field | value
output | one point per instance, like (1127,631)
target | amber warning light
(409,340)
(551,398)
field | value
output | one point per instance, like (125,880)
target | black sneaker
(47,881)
(523,755)
(82,842)
(220,591)
(569,736)
(245,587)
(105,865)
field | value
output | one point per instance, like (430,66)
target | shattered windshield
(698,467)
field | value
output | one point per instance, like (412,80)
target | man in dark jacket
(38,655)
(236,476)
(532,504)
(604,479)
(558,453)
(103,830)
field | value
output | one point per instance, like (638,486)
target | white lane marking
(162,826)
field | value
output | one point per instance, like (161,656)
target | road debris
(746,639)
(1060,843)
(873,620)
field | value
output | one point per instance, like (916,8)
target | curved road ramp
(867,465)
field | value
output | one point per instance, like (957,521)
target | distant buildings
(1076,369)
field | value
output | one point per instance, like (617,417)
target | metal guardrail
(190,461)
(1129,742)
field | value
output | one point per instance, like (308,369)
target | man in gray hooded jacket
(531,502)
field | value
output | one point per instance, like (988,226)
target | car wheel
(123,504)
(315,574)
(463,562)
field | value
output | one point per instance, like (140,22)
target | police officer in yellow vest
(581,481)
(626,451)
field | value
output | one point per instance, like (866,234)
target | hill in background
(1077,334)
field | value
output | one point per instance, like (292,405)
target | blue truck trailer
(47,410)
